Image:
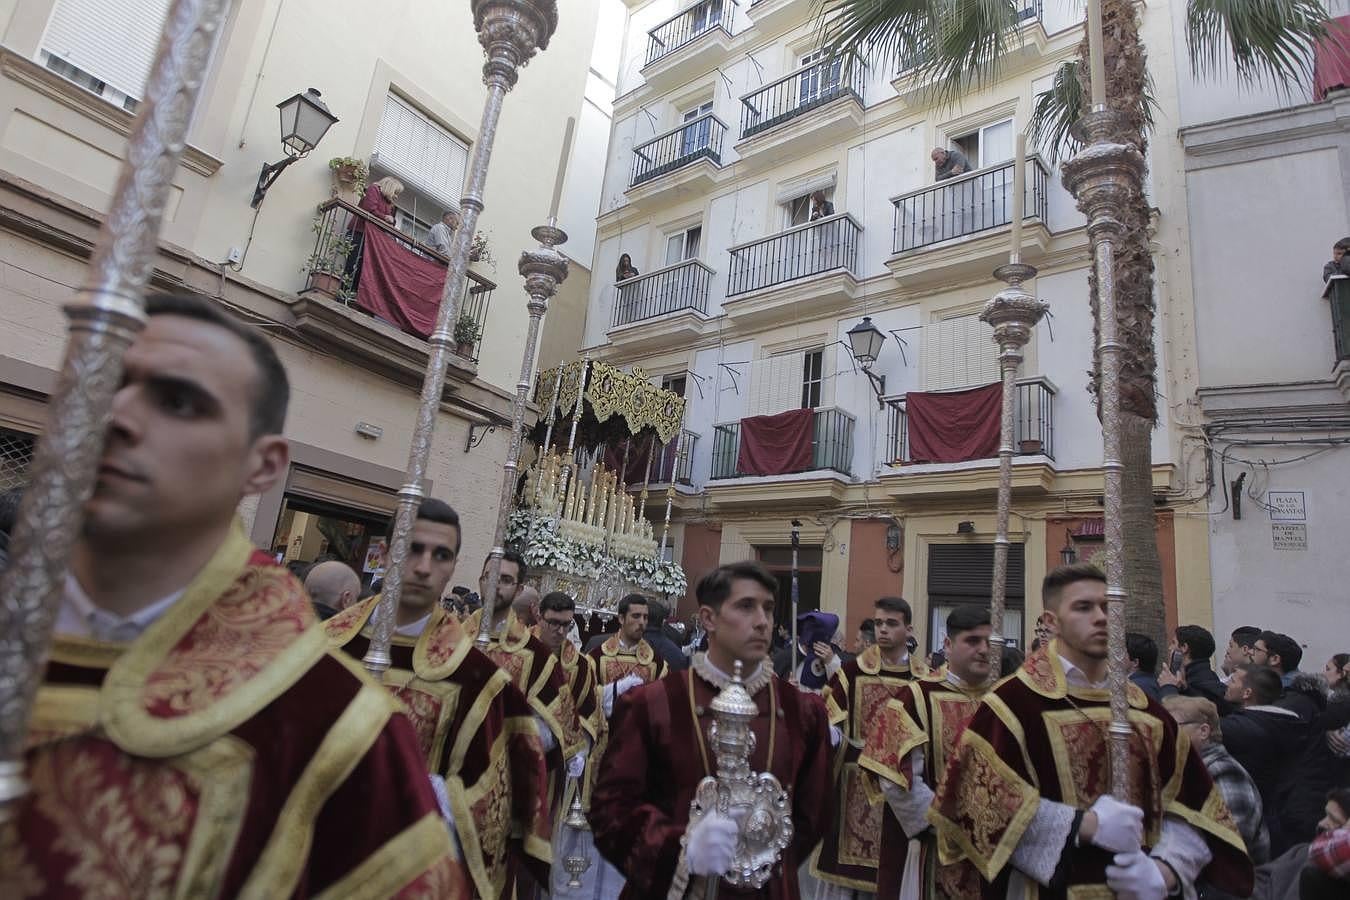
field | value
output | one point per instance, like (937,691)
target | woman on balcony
(378,200)
(625,269)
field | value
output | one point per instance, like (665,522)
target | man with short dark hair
(1262,736)
(660,750)
(625,660)
(847,860)
(1143,655)
(476,729)
(1304,695)
(657,634)
(907,748)
(191,714)
(1195,678)
(1340,260)
(1027,795)
(1239,650)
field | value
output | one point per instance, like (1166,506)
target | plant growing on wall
(349,174)
(480,250)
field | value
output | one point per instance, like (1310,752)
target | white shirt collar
(413,629)
(79,617)
(1076,677)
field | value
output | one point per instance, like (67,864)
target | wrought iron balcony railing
(967,205)
(687,26)
(697,139)
(674,288)
(1027,11)
(328,268)
(1338,292)
(819,246)
(800,92)
(831,444)
(672,468)
(1033,421)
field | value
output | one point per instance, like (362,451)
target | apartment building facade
(1267,182)
(406,89)
(728,120)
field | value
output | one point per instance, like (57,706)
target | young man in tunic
(626,660)
(846,861)
(476,730)
(908,745)
(1026,797)
(660,750)
(193,736)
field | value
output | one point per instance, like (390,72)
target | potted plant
(349,178)
(480,250)
(466,335)
(326,265)
(1031,446)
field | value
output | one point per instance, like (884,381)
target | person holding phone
(1189,672)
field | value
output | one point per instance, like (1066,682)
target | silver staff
(544,269)
(1104,176)
(510,32)
(1013,312)
(104,319)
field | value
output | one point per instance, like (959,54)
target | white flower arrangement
(544,545)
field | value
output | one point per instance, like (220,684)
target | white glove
(576,765)
(1120,827)
(835,735)
(613,690)
(710,846)
(1136,877)
(916,763)
(626,684)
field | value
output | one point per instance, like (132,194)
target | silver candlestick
(510,32)
(1104,177)
(1014,313)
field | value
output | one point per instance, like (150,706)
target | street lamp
(865,340)
(305,119)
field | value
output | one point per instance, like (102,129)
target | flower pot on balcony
(325,283)
(464,350)
(349,178)
(1031,446)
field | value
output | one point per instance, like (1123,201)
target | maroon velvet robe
(659,752)
(850,851)
(1034,736)
(477,731)
(931,715)
(223,752)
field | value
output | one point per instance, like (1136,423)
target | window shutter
(776,385)
(113,40)
(965,572)
(421,153)
(959,353)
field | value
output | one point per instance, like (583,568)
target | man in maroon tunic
(660,751)
(193,737)
(1026,796)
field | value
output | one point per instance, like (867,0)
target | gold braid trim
(395,865)
(343,747)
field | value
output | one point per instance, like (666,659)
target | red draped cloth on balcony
(954,426)
(1331,60)
(776,445)
(398,285)
(638,451)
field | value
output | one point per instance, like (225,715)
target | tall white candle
(1096,53)
(1019,192)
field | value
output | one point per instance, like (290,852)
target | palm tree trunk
(1127,78)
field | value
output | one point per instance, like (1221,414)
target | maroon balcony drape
(1331,60)
(954,426)
(638,451)
(776,445)
(398,285)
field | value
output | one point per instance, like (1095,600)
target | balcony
(676,297)
(831,445)
(327,308)
(815,263)
(1033,422)
(956,227)
(1030,44)
(689,43)
(671,468)
(822,101)
(772,16)
(698,141)
(1338,293)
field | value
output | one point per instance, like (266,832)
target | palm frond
(1056,111)
(954,45)
(1265,40)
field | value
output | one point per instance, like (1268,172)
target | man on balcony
(948,163)
(1340,260)
(443,231)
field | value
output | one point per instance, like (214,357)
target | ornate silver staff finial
(510,32)
(756,801)
(575,865)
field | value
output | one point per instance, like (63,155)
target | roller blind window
(105,46)
(420,153)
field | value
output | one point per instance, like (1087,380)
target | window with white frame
(987,145)
(104,46)
(426,157)
(819,75)
(813,378)
(676,383)
(794,379)
(683,245)
(706,15)
(797,211)
(697,132)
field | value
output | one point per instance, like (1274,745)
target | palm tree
(959,45)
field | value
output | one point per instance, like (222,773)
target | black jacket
(1265,739)
(1301,795)
(666,648)
(1201,681)
(1305,696)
